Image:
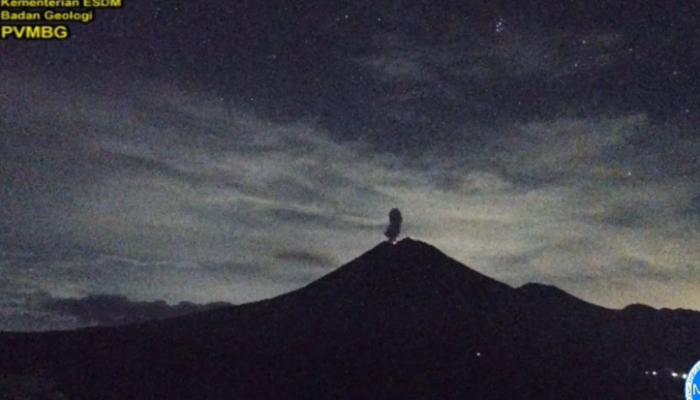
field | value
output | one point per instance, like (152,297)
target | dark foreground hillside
(402,321)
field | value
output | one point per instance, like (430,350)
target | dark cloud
(622,216)
(307,258)
(313,218)
(693,208)
(229,271)
(644,269)
(433,88)
(21,319)
(113,310)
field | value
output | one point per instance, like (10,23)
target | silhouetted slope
(395,288)
(402,321)
(405,269)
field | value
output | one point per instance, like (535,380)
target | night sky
(230,151)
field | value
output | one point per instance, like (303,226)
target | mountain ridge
(402,320)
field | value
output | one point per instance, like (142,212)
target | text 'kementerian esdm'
(48,19)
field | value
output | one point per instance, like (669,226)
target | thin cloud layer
(114,310)
(506,54)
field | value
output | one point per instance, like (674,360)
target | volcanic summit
(402,321)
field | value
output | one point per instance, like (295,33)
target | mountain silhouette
(402,321)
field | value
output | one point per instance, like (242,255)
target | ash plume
(394,228)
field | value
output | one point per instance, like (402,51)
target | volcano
(402,321)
